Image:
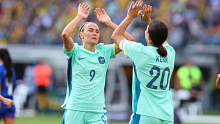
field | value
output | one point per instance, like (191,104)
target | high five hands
(134,11)
(102,16)
(83,10)
(147,13)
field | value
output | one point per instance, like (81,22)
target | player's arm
(133,12)
(103,17)
(218,81)
(83,13)
(6,101)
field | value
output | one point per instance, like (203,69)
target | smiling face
(91,34)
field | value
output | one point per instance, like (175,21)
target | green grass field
(48,119)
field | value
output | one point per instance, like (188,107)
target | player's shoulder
(135,45)
(77,46)
(170,48)
(102,46)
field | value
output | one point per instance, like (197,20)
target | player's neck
(150,44)
(90,47)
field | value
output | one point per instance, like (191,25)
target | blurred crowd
(41,22)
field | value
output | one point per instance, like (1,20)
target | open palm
(102,15)
(147,13)
(134,11)
(83,10)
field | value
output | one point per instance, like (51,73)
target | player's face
(91,33)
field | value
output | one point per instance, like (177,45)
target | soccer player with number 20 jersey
(152,69)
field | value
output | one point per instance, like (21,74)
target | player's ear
(81,35)
(148,36)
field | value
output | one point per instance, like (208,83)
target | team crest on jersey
(101,60)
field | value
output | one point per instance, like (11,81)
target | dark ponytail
(158,34)
(162,51)
(4,55)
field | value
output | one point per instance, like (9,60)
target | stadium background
(31,30)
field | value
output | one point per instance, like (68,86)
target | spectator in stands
(40,22)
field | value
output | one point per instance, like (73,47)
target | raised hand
(83,10)
(102,16)
(147,13)
(135,10)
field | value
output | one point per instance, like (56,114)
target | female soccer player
(7,82)
(152,69)
(218,81)
(87,66)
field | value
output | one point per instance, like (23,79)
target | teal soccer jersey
(151,80)
(86,77)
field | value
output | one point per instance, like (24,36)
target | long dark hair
(158,34)
(4,55)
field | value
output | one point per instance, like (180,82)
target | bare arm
(133,12)
(104,18)
(218,81)
(83,13)
(6,101)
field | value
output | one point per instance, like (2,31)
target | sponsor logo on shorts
(104,119)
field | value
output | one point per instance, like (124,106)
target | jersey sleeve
(133,50)
(72,52)
(110,50)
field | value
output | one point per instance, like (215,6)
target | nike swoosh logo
(80,58)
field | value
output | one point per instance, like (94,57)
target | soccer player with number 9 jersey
(152,69)
(7,83)
(87,66)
